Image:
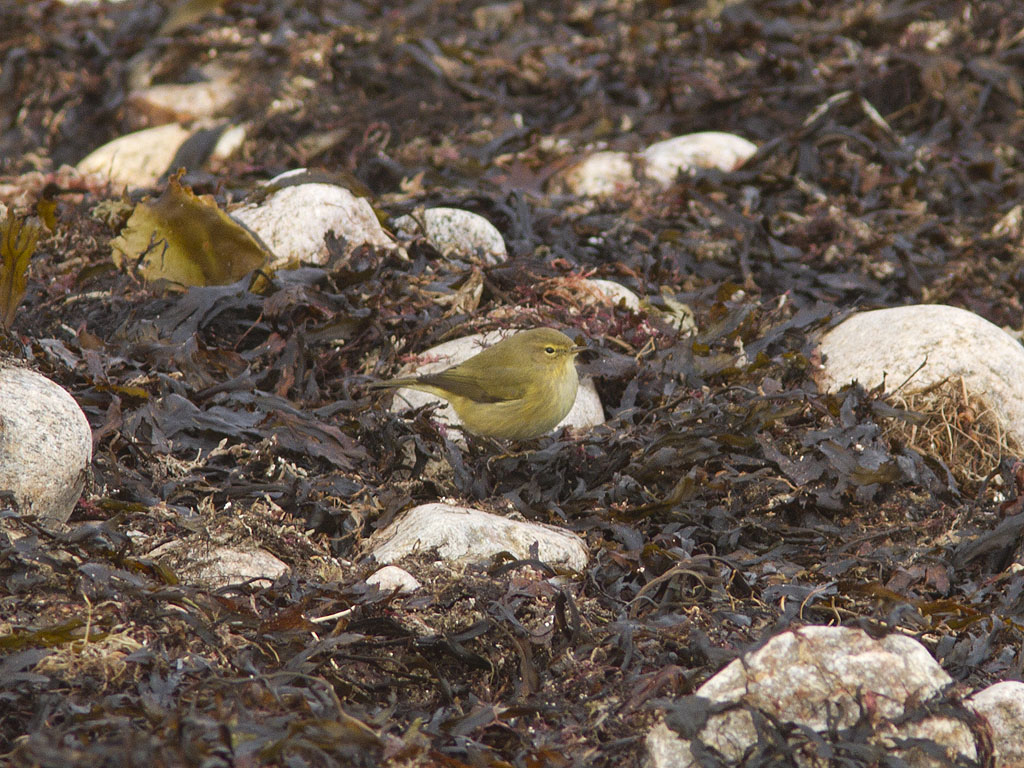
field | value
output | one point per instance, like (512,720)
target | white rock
(293,221)
(817,676)
(1002,705)
(183,102)
(587,411)
(950,343)
(664,160)
(611,292)
(465,535)
(602,174)
(226,565)
(45,444)
(391,577)
(137,159)
(214,566)
(816,671)
(230,142)
(496,16)
(605,174)
(285,175)
(454,232)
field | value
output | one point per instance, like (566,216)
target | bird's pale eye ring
(549,350)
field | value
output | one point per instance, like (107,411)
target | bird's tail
(392,383)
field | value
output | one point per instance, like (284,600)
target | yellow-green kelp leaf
(17,244)
(185,238)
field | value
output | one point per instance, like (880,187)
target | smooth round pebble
(467,535)
(664,160)
(1002,706)
(45,444)
(497,16)
(602,174)
(391,577)
(198,562)
(615,293)
(293,222)
(182,102)
(455,233)
(230,142)
(136,159)
(918,346)
(818,678)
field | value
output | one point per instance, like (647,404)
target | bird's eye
(549,350)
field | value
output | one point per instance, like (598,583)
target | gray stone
(391,577)
(610,292)
(609,173)
(919,346)
(45,444)
(497,16)
(136,159)
(821,677)
(213,566)
(293,222)
(181,102)
(664,160)
(1002,705)
(455,233)
(602,174)
(466,535)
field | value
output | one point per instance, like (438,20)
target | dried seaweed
(724,499)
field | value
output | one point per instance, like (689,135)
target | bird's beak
(575,350)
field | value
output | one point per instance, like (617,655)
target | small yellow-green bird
(519,388)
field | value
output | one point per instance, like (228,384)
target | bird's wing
(496,386)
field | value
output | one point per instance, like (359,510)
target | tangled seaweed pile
(724,499)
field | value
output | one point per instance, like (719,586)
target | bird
(518,389)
